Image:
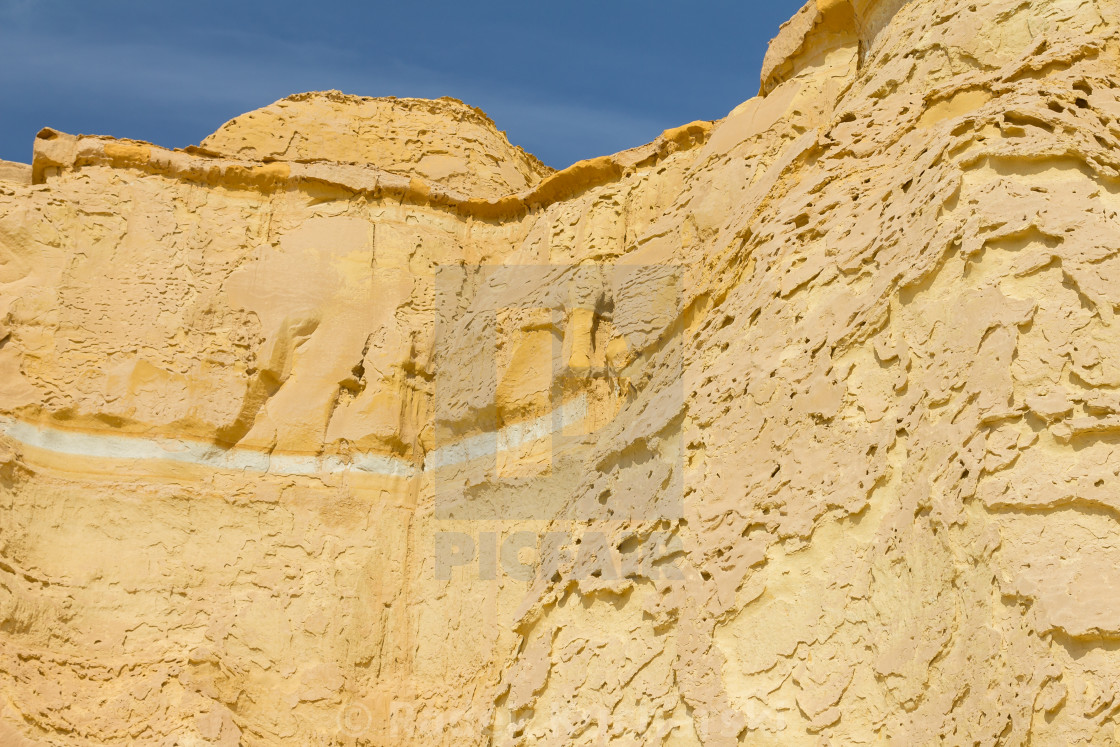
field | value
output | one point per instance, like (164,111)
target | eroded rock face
(799,427)
(20,173)
(442,142)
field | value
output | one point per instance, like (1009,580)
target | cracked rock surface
(357,425)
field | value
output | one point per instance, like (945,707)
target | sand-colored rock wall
(799,427)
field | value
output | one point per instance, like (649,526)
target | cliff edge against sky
(357,425)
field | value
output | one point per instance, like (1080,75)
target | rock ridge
(356,426)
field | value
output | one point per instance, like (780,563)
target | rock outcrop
(358,425)
(444,142)
(20,173)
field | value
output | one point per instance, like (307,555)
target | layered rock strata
(358,425)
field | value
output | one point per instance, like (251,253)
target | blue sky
(567,79)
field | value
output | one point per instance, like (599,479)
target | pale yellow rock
(358,426)
(19,173)
(442,142)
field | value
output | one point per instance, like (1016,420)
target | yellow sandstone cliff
(357,425)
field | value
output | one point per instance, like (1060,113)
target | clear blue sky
(567,79)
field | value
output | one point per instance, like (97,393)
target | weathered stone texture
(873,420)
